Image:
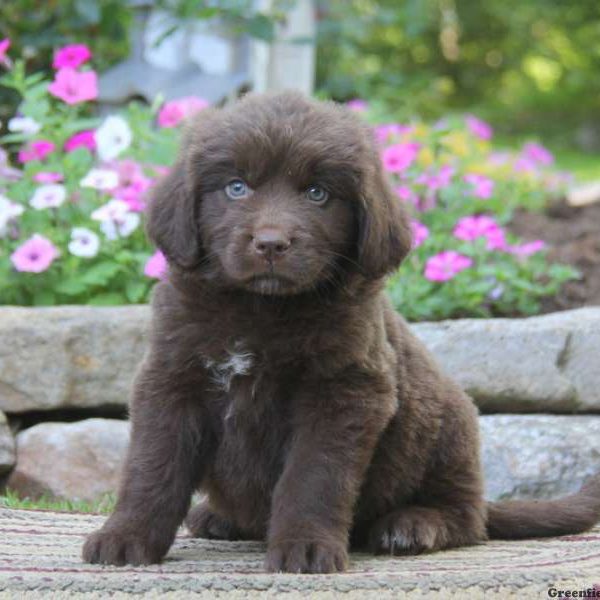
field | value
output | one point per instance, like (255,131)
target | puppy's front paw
(115,548)
(306,557)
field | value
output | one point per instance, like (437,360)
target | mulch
(40,557)
(573,237)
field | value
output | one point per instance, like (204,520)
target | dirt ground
(573,236)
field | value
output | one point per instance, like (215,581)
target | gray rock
(69,356)
(524,456)
(80,356)
(7,446)
(538,456)
(548,363)
(76,461)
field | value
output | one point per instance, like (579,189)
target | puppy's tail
(544,518)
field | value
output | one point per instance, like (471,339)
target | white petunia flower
(84,242)
(122,227)
(100,179)
(112,137)
(116,220)
(8,211)
(23,125)
(114,209)
(48,196)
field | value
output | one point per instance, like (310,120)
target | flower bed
(71,211)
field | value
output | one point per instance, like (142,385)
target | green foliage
(529,64)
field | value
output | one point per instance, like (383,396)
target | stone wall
(83,359)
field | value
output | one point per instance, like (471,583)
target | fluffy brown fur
(280,381)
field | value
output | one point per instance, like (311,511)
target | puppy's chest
(231,364)
(244,379)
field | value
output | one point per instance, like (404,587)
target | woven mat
(40,557)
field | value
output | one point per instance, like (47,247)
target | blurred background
(528,66)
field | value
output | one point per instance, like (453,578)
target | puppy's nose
(271,243)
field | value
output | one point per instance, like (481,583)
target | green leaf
(43,298)
(107,299)
(135,291)
(100,274)
(70,287)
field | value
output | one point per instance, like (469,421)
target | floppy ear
(384,231)
(173,220)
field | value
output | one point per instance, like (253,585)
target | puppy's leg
(202,522)
(336,428)
(163,466)
(448,508)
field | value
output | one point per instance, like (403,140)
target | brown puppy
(279,379)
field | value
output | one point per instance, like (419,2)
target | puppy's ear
(172,219)
(384,231)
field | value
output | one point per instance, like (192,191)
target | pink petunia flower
(174,112)
(523,164)
(37,150)
(399,157)
(389,130)
(476,226)
(483,187)
(437,180)
(528,248)
(357,105)
(406,194)
(134,193)
(47,177)
(133,184)
(537,154)
(4,46)
(35,255)
(71,56)
(420,233)
(128,169)
(446,265)
(82,139)
(156,266)
(479,128)
(74,87)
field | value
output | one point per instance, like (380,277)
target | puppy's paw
(203,523)
(412,530)
(306,557)
(114,548)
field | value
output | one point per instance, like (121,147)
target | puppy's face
(281,230)
(273,196)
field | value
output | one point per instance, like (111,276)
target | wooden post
(288,62)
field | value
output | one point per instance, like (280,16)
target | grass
(105,505)
(585,167)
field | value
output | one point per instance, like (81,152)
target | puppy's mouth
(270,283)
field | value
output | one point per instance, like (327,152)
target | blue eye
(237,189)
(317,194)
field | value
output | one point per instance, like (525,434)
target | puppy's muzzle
(271,243)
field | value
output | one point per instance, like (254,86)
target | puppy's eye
(237,189)
(317,194)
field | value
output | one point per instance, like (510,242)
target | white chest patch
(223,373)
